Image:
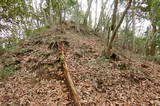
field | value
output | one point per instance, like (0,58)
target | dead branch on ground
(67,75)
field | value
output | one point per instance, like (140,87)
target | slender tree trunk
(78,20)
(64,12)
(90,19)
(125,40)
(60,15)
(112,25)
(108,52)
(44,14)
(133,25)
(151,46)
(101,15)
(95,23)
(106,41)
(87,12)
(49,18)
(36,10)
(114,15)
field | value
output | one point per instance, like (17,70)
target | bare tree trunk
(133,25)
(60,16)
(44,14)
(37,17)
(114,15)
(95,23)
(64,15)
(87,12)
(125,39)
(49,18)
(117,20)
(78,20)
(108,52)
(101,15)
(108,30)
(90,19)
(151,45)
(111,29)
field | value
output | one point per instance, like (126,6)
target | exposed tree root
(68,78)
(70,84)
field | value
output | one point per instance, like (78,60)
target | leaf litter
(99,82)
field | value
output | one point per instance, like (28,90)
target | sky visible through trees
(141,24)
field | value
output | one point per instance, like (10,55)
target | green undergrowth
(7,71)
(14,49)
(40,54)
(7,61)
(8,66)
(99,60)
(30,32)
(2,51)
(102,59)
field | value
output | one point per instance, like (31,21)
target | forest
(79,52)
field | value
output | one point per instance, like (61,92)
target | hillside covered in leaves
(31,74)
(80,53)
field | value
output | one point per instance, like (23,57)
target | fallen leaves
(99,82)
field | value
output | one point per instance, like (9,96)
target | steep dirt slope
(99,81)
